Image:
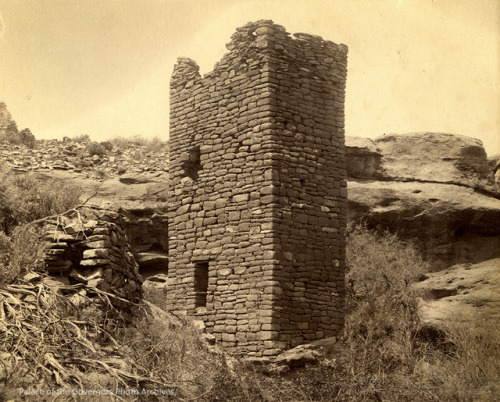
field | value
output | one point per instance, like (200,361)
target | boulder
(152,263)
(329,352)
(425,157)
(155,289)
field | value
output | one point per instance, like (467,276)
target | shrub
(107,145)
(13,136)
(94,148)
(154,144)
(23,253)
(120,142)
(5,246)
(82,138)
(24,198)
(382,309)
(27,138)
(470,371)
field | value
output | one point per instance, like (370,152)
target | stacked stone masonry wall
(91,247)
(257,190)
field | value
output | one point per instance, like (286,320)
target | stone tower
(257,191)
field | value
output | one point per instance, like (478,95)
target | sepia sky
(102,67)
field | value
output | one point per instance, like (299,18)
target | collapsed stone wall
(90,246)
(257,192)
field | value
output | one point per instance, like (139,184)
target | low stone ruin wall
(90,246)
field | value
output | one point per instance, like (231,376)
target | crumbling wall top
(249,46)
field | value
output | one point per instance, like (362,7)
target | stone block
(96,253)
(94,262)
(99,244)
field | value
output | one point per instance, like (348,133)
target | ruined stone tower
(257,190)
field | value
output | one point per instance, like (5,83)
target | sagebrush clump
(382,308)
(24,198)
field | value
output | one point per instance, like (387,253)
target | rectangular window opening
(201,283)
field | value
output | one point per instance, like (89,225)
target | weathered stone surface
(449,223)
(424,157)
(435,189)
(155,289)
(464,292)
(96,253)
(298,357)
(153,263)
(362,158)
(109,267)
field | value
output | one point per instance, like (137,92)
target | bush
(24,198)
(107,145)
(120,142)
(82,138)
(382,309)
(471,369)
(23,252)
(154,144)
(13,136)
(94,148)
(5,246)
(27,138)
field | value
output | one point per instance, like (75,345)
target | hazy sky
(103,67)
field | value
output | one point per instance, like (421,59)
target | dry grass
(62,338)
(469,369)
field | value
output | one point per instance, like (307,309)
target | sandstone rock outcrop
(463,292)
(434,188)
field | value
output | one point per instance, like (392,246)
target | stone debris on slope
(50,155)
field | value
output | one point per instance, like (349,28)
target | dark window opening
(302,182)
(191,163)
(201,283)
